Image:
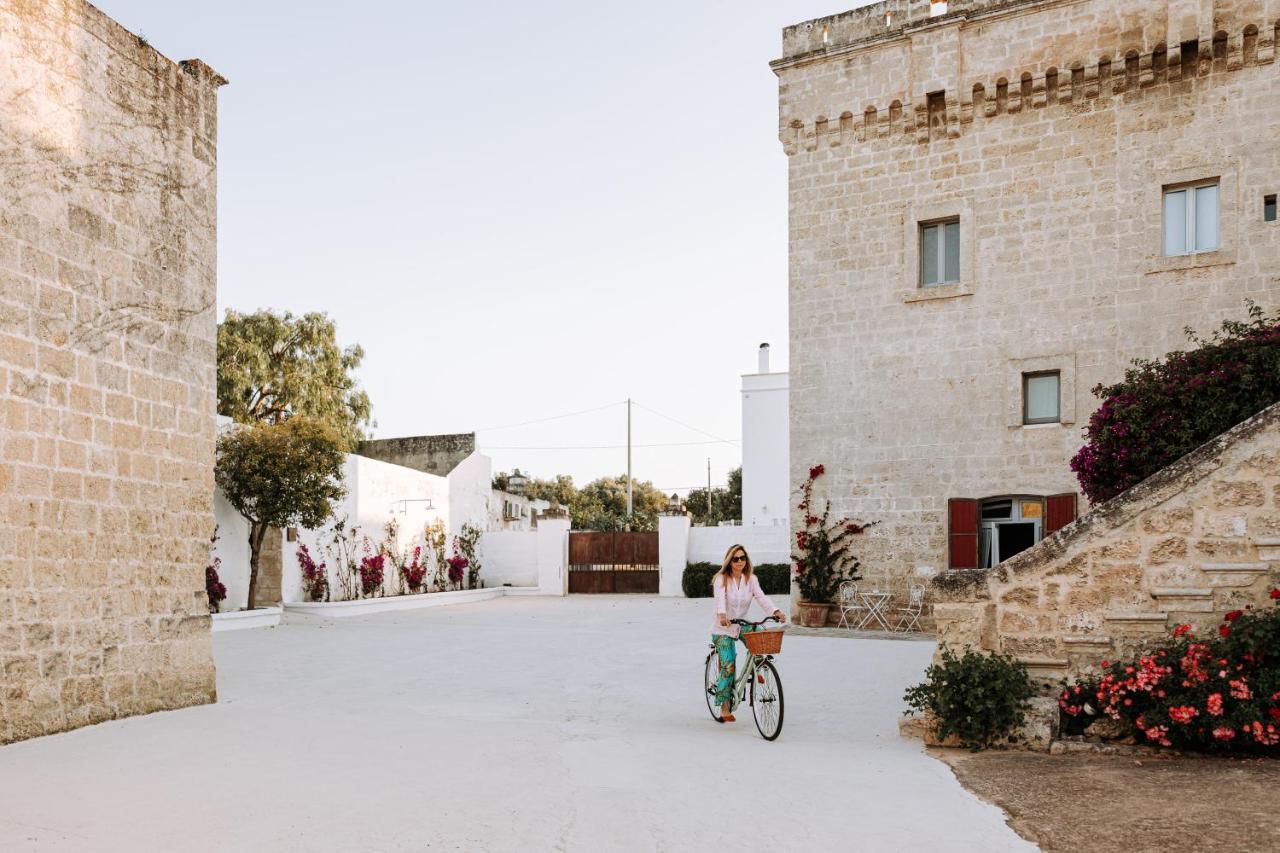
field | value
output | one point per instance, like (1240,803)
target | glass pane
(929,254)
(1269,209)
(951,245)
(1175,222)
(1206,218)
(1042,398)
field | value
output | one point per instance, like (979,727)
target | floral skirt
(727,651)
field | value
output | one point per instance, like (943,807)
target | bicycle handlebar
(755,624)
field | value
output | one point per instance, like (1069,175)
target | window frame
(1027,420)
(1190,238)
(941,226)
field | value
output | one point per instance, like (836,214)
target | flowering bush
(822,557)
(1165,409)
(371,566)
(979,698)
(315,578)
(1222,692)
(457,568)
(414,572)
(214,588)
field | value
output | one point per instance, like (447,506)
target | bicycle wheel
(766,700)
(712,674)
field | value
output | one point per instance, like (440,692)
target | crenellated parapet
(936,95)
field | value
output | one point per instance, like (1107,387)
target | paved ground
(1076,802)
(531,724)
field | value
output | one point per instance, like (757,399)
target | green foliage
(775,579)
(726,504)
(1165,409)
(979,698)
(602,505)
(466,543)
(279,475)
(275,366)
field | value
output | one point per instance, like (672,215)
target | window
(1191,219)
(1041,398)
(1269,208)
(940,253)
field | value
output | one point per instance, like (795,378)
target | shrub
(1221,693)
(1165,409)
(979,698)
(775,579)
(315,578)
(371,573)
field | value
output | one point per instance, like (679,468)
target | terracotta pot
(813,614)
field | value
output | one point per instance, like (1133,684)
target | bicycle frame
(740,684)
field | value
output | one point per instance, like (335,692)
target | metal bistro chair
(848,601)
(909,616)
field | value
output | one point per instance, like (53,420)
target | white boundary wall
(509,556)
(765,544)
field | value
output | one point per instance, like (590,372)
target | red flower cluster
(315,580)
(371,567)
(457,568)
(414,573)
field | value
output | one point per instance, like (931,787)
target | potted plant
(822,560)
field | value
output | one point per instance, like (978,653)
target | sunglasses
(738,559)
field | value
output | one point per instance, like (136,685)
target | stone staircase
(1171,606)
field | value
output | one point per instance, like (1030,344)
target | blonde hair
(726,569)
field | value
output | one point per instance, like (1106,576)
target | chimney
(764,358)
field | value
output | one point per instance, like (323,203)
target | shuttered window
(962,533)
(1060,511)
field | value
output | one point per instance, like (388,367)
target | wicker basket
(763,642)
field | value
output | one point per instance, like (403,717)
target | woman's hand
(779,615)
(724,621)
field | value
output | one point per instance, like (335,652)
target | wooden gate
(613,562)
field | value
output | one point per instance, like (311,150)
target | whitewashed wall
(765,543)
(233,548)
(375,492)
(509,556)
(766,488)
(470,487)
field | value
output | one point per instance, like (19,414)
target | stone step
(1268,547)
(1184,599)
(1140,622)
(1039,667)
(1234,574)
(1088,641)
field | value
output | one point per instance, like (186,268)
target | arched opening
(1002,95)
(979,99)
(1250,44)
(1220,45)
(1026,89)
(1051,85)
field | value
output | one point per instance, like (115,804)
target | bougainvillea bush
(315,578)
(1220,692)
(371,573)
(823,558)
(1165,409)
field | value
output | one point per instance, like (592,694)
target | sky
(518,210)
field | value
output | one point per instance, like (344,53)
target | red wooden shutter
(962,533)
(1060,512)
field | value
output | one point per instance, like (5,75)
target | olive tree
(279,475)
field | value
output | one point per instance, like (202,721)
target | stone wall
(1186,545)
(431,454)
(107,290)
(1049,128)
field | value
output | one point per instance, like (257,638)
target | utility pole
(709,518)
(628,463)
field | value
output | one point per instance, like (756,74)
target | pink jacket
(734,600)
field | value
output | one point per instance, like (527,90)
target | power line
(552,418)
(599,446)
(687,426)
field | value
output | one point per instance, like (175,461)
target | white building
(766,487)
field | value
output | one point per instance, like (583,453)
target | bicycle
(759,674)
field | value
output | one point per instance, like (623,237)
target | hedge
(1165,409)
(775,578)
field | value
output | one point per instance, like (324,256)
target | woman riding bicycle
(735,587)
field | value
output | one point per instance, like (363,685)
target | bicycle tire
(766,692)
(711,674)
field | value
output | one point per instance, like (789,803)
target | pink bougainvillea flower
(1183,714)
(817,471)
(1224,630)
(1214,704)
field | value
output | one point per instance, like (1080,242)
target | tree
(602,505)
(273,366)
(726,503)
(279,475)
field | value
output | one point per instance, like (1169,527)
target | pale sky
(519,210)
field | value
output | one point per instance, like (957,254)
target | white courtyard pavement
(516,724)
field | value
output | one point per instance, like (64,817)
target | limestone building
(107,331)
(996,205)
